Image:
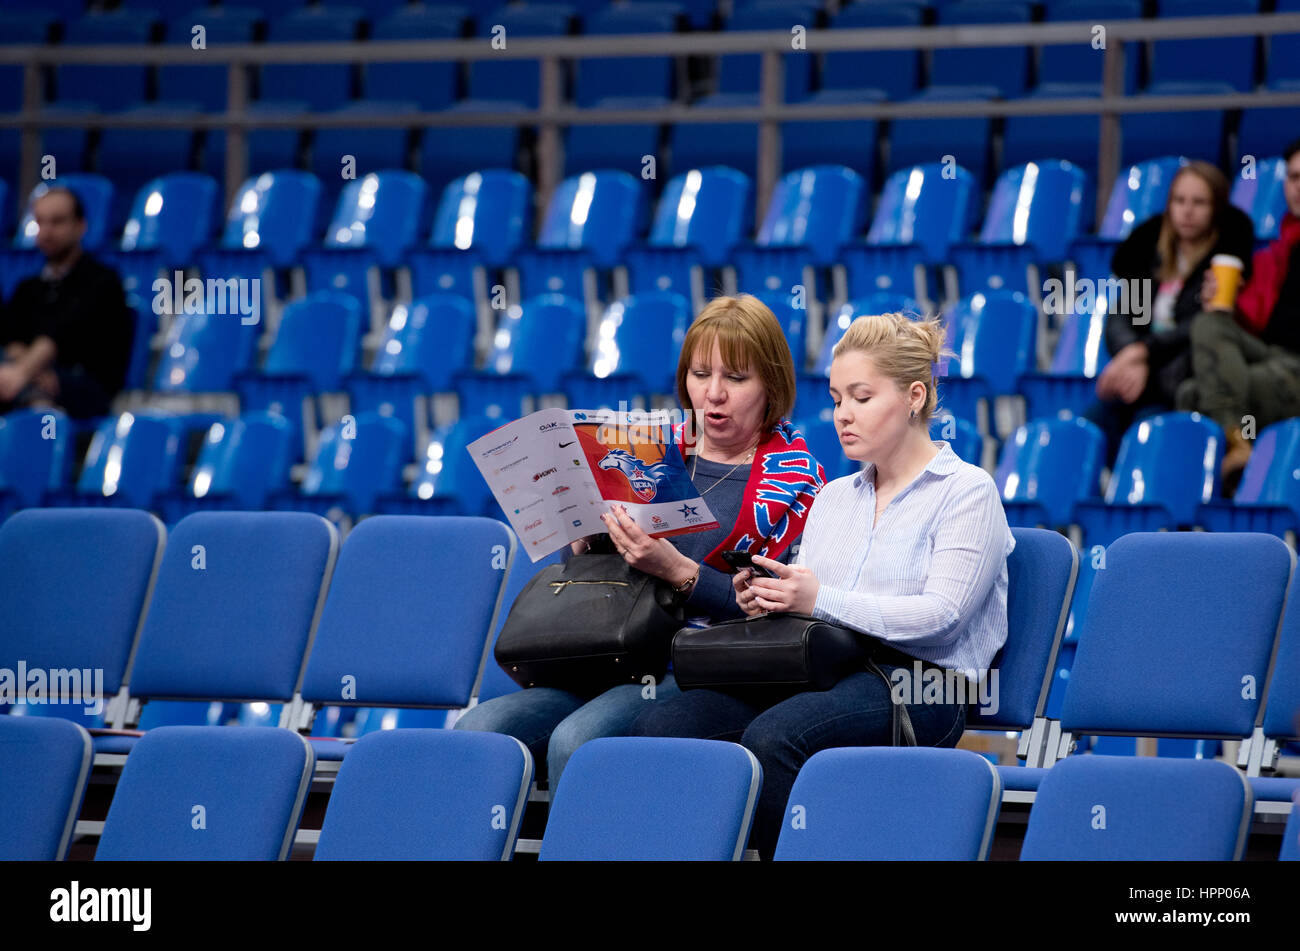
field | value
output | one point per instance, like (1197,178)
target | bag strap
(900,726)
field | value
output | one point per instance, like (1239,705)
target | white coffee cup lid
(1227,260)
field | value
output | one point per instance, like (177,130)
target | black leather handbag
(772,656)
(588,625)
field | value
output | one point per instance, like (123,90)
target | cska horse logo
(644,479)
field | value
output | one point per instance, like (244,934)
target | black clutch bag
(588,625)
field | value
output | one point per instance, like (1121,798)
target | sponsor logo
(656,520)
(501,448)
(567,508)
(565,445)
(644,479)
(577,523)
(577,462)
(539,476)
(531,525)
(508,489)
(509,465)
(538,541)
(548,427)
(579,415)
(560,490)
(528,505)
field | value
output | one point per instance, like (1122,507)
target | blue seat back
(894,72)
(883,804)
(1054,462)
(1138,194)
(379,211)
(421,795)
(1006,67)
(203,353)
(1081,347)
(818,207)
(434,85)
(993,335)
(963,435)
(33,453)
(359,460)
(515,79)
(1290,851)
(1039,204)
(173,215)
(1171,459)
(107,86)
(47,762)
(246,458)
(706,209)
(235,606)
(742,72)
(205,85)
(107,557)
(642,336)
(224,793)
(1282,705)
(488,212)
(1225,59)
(1272,475)
(317,338)
(433,337)
(921,205)
(1263,197)
(274,212)
(596,212)
(448,472)
(1139,808)
(412,645)
(1041,574)
(542,338)
(880,302)
(817,425)
(649,798)
(322,85)
(597,78)
(130,458)
(96,194)
(1077,64)
(1157,605)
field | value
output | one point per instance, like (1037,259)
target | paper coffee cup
(1227,273)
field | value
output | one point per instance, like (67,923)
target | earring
(913,416)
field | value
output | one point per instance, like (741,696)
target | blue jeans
(855,712)
(553,723)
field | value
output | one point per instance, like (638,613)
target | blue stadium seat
(741,72)
(204,352)
(434,85)
(1140,192)
(848,142)
(222,25)
(448,482)
(893,72)
(1073,138)
(516,79)
(20,26)
(238,628)
(496,682)
(421,795)
(356,461)
(445,156)
(47,762)
(818,208)
(132,158)
(130,458)
(1070,385)
(173,215)
(598,78)
(208,793)
(1291,837)
(639,341)
(1281,720)
(535,345)
(1268,497)
(1112,808)
(1078,63)
(269,150)
(882,804)
(1194,134)
(963,435)
(424,346)
(1262,197)
(34,451)
(1005,67)
(993,335)
(488,212)
(596,212)
(704,144)
(413,646)
(108,87)
(624,146)
(109,558)
(644,798)
(1222,59)
(1168,465)
(1282,52)
(1047,466)
(138,271)
(818,429)
(380,212)
(1035,213)
(363,148)
(96,194)
(967,140)
(241,464)
(322,85)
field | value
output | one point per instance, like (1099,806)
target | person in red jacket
(1246,364)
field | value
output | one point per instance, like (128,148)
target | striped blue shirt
(931,577)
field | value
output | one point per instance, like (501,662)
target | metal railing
(552,114)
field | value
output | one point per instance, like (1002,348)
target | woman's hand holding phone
(793,589)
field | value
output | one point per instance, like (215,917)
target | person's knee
(1209,325)
(568,735)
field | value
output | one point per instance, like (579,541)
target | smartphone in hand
(743,559)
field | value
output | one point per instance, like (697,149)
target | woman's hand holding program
(793,589)
(654,556)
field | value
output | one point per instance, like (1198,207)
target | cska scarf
(783,481)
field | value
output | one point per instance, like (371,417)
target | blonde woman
(911,552)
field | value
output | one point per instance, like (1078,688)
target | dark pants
(1238,375)
(857,711)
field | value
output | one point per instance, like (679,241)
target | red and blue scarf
(783,481)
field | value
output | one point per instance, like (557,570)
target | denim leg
(527,715)
(610,714)
(701,714)
(855,712)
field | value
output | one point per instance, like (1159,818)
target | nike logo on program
(563,444)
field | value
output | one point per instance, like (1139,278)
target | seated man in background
(1246,360)
(66,332)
